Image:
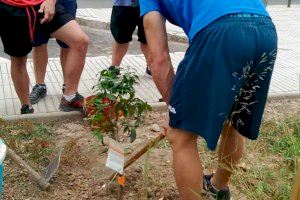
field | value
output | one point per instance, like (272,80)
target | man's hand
(48,8)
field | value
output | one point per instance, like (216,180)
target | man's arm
(160,62)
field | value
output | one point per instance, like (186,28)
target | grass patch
(271,161)
(32,141)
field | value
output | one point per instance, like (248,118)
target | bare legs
(120,50)
(187,164)
(78,41)
(40,60)
(230,152)
(20,78)
(118,53)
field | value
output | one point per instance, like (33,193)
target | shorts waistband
(244,15)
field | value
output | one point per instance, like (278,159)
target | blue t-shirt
(131,3)
(194,15)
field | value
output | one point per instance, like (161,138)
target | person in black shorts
(40,56)
(125,18)
(19,21)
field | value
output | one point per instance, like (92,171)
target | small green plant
(114,109)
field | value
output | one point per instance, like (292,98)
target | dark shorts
(124,20)
(14,29)
(69,6)
(225,77)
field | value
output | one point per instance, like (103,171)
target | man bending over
(220,87)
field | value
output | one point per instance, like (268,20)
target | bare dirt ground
(82,168)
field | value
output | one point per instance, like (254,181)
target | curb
(96,24)
(93,23)
(177,38)
(284,96)
(160,106)
(44,117)
(60,116)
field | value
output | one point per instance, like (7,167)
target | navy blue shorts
(225,77)
(40,38)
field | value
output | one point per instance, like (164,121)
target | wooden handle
(43,183)
(296,187)
(138,153)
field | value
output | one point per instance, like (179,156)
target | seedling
(115,110)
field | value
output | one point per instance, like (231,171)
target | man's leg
(71,8)
(118,53)
(40,60)
(20,78)
(230,152)
(146,53)
(186,163)
(64,51)
(122,26)
(143,43)
(15,36)
(63,59)
(78,42)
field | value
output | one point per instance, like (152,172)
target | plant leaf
(111,97)
(99,136)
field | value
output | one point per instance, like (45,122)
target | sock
(26,105)
(69,97)
(112,67)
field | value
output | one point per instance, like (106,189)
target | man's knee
(84,41)
(18,63)
(72,35)
(81,43)
(179,138)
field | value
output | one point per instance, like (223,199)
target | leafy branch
(114,109)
